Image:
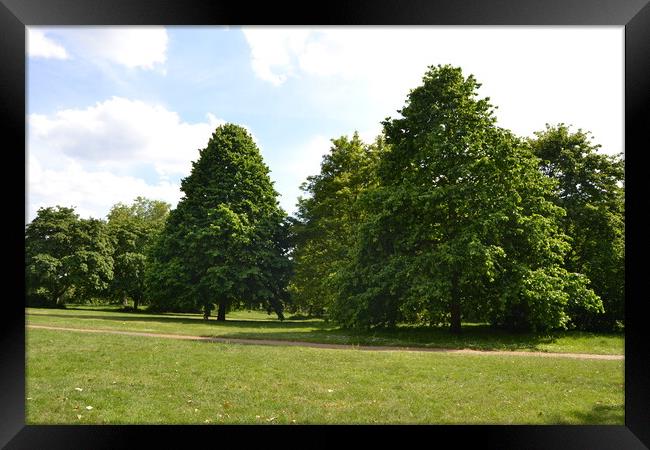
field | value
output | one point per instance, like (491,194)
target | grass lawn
(138,380)
(259,325)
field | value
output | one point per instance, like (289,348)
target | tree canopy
(326,220)
(460,221)
(133,229)
(590,187)
(66,255)
(225,243)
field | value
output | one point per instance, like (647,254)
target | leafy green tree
(224,243)
(152,212)
(460,221)
(133,229)
(64,253)
(590,187)
(326,219)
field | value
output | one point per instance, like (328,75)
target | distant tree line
(70,259)
(444,218)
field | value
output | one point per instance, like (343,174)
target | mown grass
(138,380)
(259,325)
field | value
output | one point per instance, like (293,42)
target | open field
(259,325)
(128,380)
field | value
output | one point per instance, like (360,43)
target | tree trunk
(125,301)
(59,296)
(221,314)
(455,304)
(206,311)
(135,302)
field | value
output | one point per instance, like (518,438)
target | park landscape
(448,272)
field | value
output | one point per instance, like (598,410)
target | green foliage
(66,256)
(152,212)
(460,221)
(226,242)
(326,219)
(590,189)
(133,229)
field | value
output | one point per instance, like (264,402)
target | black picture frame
(15,15)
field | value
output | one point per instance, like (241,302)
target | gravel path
(336,346)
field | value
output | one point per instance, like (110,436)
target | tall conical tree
(224,243)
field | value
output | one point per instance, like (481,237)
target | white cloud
(95,157)
(141,47)
(133,47)
(274,52)
(369,135)
(120,132)
(295,166)
(306,159)
(92,193)
(40,46)
(534,75)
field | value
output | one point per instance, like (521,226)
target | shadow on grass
(597,415)
(484,338)
(190,315)
(474,336)
(270,323)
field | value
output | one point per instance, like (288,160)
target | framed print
(108,89)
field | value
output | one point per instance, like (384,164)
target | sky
(119,112)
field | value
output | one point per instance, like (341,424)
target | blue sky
(118,112)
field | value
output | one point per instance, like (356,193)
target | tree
(460,221)
(133,229)
(224,243)
(152,212)
(64,252)
(326,218)
(590,188)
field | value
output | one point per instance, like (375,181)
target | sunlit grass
(137,380)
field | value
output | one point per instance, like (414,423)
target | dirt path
(335,346)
